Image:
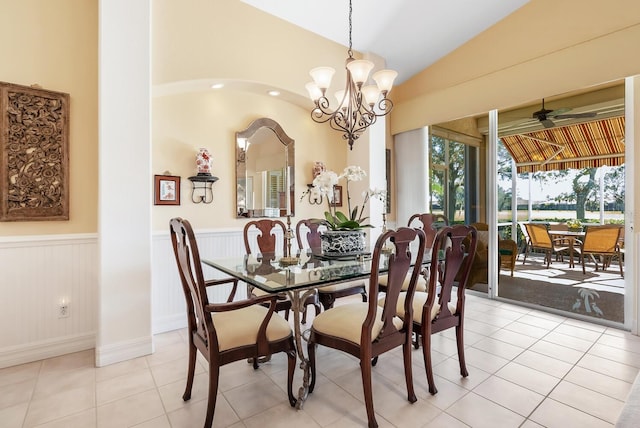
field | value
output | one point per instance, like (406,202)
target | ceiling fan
(543,115)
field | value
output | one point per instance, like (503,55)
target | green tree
(451,155)
(614,185)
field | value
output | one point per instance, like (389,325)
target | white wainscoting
(36,273)
(168,298)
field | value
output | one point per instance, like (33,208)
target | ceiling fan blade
(575,115)
(559,111)
(547,123)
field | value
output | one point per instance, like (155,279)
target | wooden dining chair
(429,224)
(601,241)
(265,243)
(229,331)
(327,295)
(366,330)
(541,240)
(434,310)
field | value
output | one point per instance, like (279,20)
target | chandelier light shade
(359,105)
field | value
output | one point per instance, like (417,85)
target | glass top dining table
(266,272)
(298,281)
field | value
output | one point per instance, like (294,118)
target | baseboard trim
(12,356)
(123,351)
(170,323)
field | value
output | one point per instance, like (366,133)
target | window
(453,169)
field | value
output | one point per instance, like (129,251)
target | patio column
(632,203)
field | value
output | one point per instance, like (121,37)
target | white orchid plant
(337,220)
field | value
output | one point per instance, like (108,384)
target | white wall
(412,173)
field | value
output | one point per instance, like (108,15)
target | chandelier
(359,105)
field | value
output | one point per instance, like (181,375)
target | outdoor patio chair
(602,241)
(507,248)
(366,330)
(228,331)
(560,227)
(327,295)
(542,241)
(526,240)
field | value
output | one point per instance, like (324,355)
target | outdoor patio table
(571,237)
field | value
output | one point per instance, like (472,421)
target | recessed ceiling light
(217,86)
(274,93)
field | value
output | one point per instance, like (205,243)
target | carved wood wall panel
(34,149)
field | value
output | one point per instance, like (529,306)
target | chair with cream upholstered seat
(434,310)
(328,294)
(229,331)
(429,224)
(366,330)
(265,244)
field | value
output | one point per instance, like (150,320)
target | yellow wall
(54,44)
(531,54)
(184,123)
(545,48)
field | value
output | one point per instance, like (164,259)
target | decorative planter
(576,229)
(342,242)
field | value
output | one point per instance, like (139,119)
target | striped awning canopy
(583,145)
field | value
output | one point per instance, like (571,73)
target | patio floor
(595,294)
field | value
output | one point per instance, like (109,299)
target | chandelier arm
(385,105)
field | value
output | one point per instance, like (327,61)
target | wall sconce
(315,197)
(202,184)
(202,188)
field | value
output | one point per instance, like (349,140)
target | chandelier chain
(350,51)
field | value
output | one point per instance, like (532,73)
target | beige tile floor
(527,369)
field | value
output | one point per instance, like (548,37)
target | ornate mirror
(265,166)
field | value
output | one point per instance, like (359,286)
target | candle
(288,190)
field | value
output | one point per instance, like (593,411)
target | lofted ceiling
(409,34)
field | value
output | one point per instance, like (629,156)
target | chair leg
(193,351)
(460,343)
(620,263)
(304,315)
(364,295)
(311,352)
(291,368)
(214,374)
(408,373)
(416,342)
(426,354)
(365,369)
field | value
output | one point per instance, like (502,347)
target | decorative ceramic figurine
(318,168)
(203,162)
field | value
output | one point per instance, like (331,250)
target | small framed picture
(167,190)
(337,196)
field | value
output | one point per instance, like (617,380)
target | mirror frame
(289,152)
